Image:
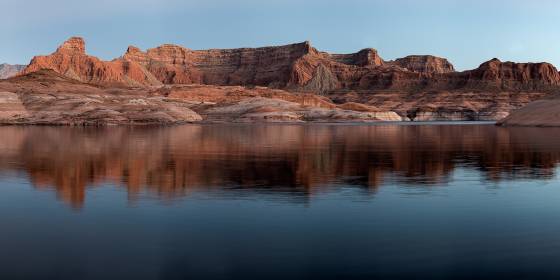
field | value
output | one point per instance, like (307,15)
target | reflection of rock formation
(173,161)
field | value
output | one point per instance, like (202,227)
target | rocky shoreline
(47,98)
(541,113)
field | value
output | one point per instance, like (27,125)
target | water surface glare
(280,202)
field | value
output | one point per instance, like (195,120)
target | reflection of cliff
(295,159)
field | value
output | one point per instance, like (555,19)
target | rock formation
(7,70)
(544,112)
(418,87)
(46,97)
(71,60)
(297,66)
(510,76)
(268,66)
(425,64)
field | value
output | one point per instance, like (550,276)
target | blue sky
(467,32)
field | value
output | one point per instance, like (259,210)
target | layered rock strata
(417,87)
(297,66)
(46,97)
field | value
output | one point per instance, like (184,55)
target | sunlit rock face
(425,64)
(416,87)
(70,59)
(297,65)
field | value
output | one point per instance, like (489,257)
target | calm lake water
(280,202)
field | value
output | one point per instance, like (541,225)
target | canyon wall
(418,87)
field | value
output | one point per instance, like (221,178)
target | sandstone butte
(288,83)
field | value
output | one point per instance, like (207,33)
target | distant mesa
(425,64)
(8,70)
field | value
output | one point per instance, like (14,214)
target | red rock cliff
(268,66)
(512,76)
(71,60)
(296,66)
(425,64)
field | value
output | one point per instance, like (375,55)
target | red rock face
(513,76)
(74,45)
(268,66)
(71,61)
(425,64)
(296,67)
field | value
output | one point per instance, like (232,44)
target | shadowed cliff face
(280,160)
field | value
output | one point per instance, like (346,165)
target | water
(280,202)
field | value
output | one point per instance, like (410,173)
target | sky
(467,32)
